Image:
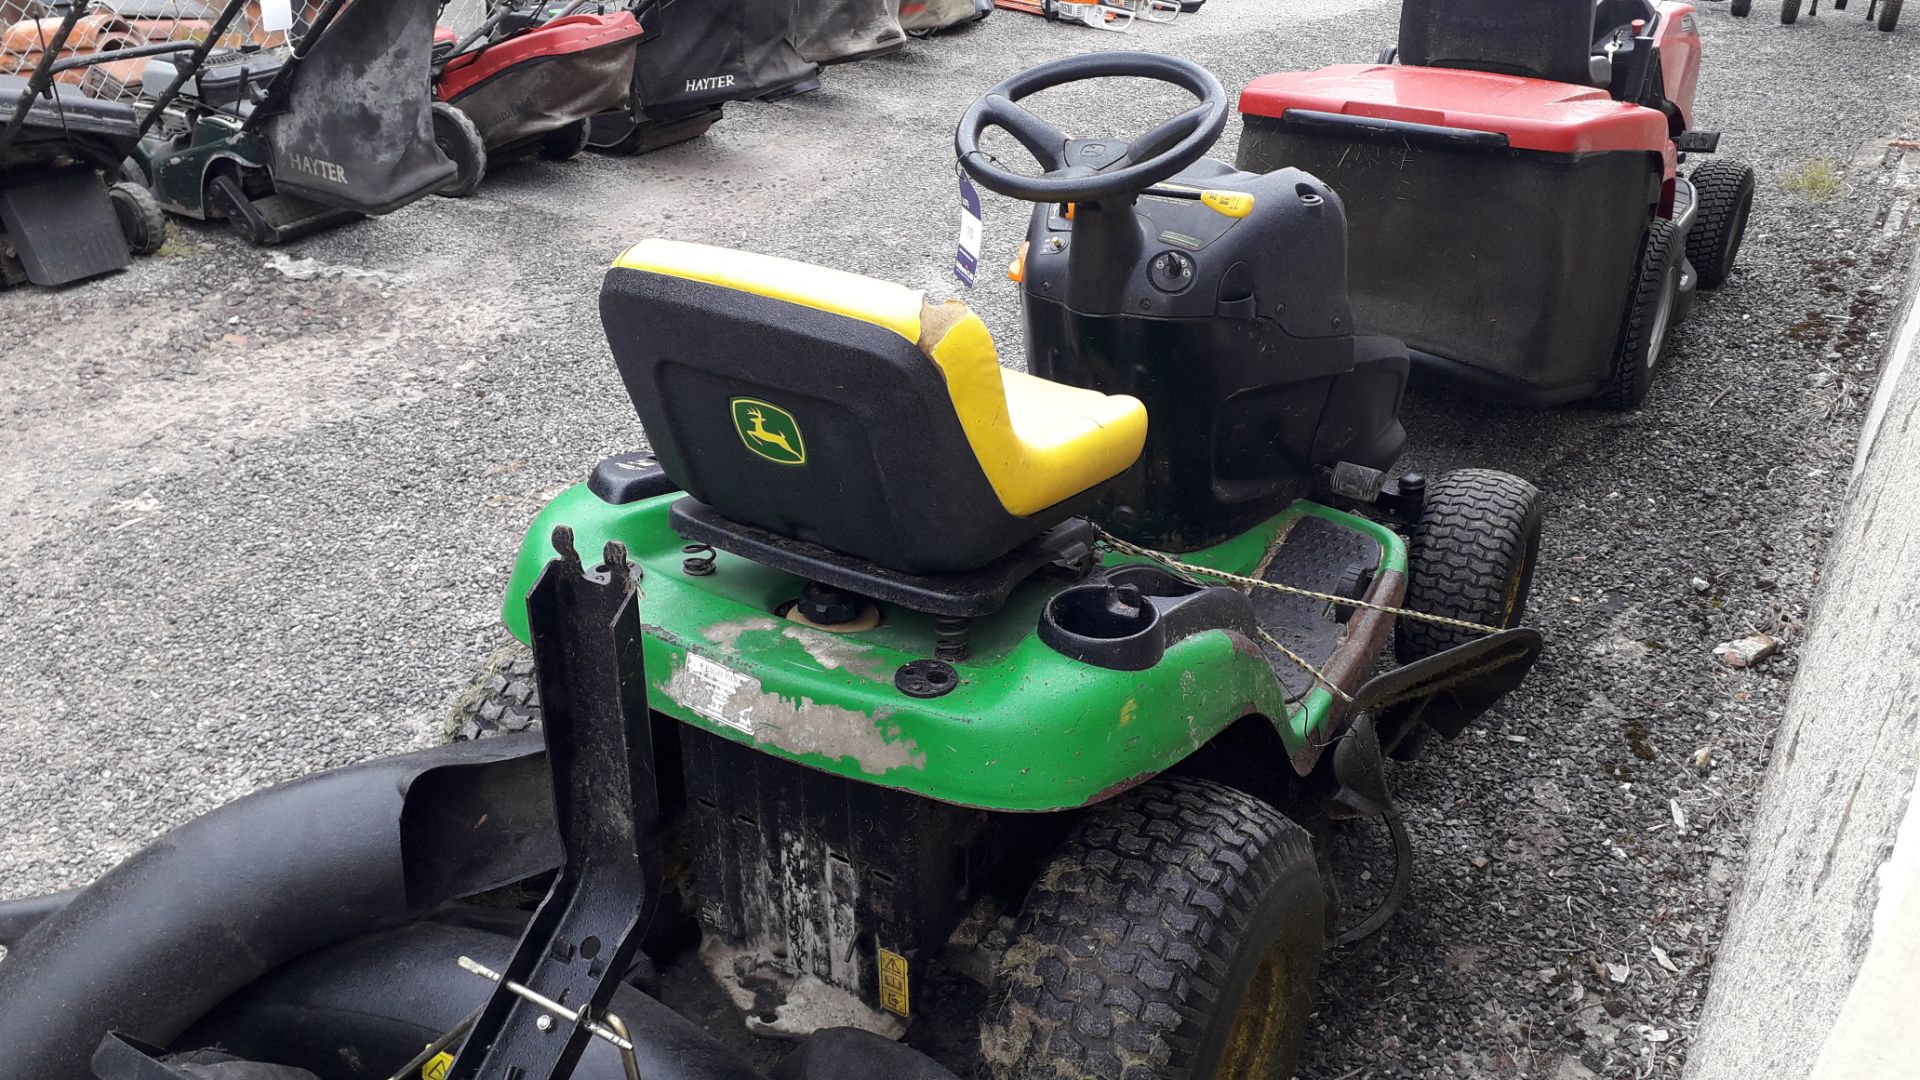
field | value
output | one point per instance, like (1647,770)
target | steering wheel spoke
(1170,134)
(1047,144)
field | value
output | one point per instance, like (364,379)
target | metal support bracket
(585,629)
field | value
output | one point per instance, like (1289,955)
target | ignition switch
(1171,271)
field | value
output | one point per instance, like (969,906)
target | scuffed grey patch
(798,727)
(835,651)
(727,634)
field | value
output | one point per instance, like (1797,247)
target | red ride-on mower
(1513,190)
(523,82)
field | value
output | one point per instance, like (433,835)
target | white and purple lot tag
(966,260)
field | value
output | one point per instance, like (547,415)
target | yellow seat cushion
(1038,442)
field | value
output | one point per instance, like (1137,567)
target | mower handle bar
(1088,170)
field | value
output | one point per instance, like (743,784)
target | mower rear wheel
(142,221)
(501,701)
(1789,12)
(567,143)
(1742,7)
(1471,558)
(460,140)
(1889,15)
(1176,934)
(1723,190)
(1656,284)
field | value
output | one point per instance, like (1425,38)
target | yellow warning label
(438,1067)
(893,982)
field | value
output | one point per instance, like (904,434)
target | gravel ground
(258,512)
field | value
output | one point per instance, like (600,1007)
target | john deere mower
(1519,215)
(281,146)
(886,639)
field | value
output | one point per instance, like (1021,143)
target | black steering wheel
(1088,170)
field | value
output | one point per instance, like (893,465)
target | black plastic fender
(176,929)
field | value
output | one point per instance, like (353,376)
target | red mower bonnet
(1533,114)
(561,37)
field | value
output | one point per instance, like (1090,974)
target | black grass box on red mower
(529,79)
(878,651)
(1519,215)
(283,144)
(695,56)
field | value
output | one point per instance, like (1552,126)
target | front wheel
(1742,7)
(1789,12)
(1889,15)
(1723,190)
(1177,933)
(1471,558)
(460,141)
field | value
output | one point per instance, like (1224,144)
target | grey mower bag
(842,31)
(920,18)
(695,56)
(354,129)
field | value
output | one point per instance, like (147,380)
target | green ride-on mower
(884,641)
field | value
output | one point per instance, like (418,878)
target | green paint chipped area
(1028,729)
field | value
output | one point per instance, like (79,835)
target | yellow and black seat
(850,413)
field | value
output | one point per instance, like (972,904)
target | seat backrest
(804,401)
(1541,39)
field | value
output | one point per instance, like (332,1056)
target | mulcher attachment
(585,629)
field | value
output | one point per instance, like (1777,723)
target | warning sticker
(709,690)
(893,982)
(437,1067)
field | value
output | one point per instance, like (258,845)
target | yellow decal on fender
(893,982)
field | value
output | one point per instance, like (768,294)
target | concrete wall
(1821,961)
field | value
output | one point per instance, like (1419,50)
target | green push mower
(881,645)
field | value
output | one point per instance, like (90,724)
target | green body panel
(1028,729)
(180,173)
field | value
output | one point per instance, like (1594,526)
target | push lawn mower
(64,213)
(924,18)
(1882,13)
(528,80)
(841,31)
(1519,218)
(697,55)
(885,639)
(282,146)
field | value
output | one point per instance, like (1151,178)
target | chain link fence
(31,32)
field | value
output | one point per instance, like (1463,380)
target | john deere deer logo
(769,430)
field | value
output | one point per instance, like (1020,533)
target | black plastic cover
(356,130)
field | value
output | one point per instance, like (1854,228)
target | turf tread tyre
(1123,963)
(1789,12)
(1631,377)
(142,221)
(1742,7)
(1471,557)
(1889,16)
(460,140)
(1723,190)
(503,700)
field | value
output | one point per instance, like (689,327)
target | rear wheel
(1656,281)
(1471,558)
(1724,194)
(501,701)
(1789,11)
(1176,934)
(1741,7)
(142,221)
(567,143)
(1889,15)
(457,138)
